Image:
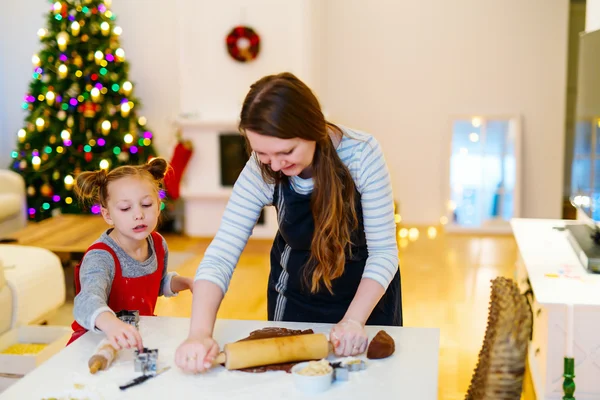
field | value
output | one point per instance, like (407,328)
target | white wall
(215,85)
(18,42)
(400,69)
(150,42)
(592,16)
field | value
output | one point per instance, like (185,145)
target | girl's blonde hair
(92,186)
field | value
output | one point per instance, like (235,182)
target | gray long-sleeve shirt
(97,273)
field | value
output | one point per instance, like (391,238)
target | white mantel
(203,195)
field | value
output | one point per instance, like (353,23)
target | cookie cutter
(131,317)
(340,374)
(145,361)
(341,370)
(356,365)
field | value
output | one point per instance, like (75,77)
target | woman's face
(290,156)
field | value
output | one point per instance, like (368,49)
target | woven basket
(501,366)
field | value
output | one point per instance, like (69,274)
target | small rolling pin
(103,357)
(277,350)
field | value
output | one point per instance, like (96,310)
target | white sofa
(6,303)
(35,283)
(13,203)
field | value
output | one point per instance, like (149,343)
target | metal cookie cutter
(131,317)
(145,361)
(356,365)
(340,373)
(341,370)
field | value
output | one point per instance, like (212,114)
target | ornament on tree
(88,109)
(78,61)
(56,175)
(74,90)
(46,190)
(30,191)
(88,157)
(123,156)
(61,115)
(23,164)
(70,121)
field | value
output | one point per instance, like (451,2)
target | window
(483,173)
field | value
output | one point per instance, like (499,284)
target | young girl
(126,268)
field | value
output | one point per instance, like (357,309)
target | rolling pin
(277,350)
(103,357)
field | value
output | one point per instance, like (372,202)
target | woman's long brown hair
(282,106)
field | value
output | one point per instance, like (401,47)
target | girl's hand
(196,354)
(349,338)
(179,283)
(120,334)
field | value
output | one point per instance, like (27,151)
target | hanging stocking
(181,157)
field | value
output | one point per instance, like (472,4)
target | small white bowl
(311,384)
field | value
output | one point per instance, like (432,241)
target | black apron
(289,297)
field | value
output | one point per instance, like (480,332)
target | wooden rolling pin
(277,350)
(102,357)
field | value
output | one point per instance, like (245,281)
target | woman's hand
(196,354)
(349,338)
(120,334)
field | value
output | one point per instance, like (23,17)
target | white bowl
(311,384)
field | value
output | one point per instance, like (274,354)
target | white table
(411,373)
(549,267)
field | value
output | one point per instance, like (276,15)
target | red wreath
(243,44)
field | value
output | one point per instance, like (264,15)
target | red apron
(138,293)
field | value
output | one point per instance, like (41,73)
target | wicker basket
(501,366)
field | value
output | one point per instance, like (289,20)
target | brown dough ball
(381,346)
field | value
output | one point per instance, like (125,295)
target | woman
(334,258)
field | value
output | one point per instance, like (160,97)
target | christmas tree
(81,109)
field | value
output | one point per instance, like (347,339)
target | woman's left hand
(349,338)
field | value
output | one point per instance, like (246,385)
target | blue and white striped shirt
(363,156)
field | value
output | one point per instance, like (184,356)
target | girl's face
(290,156)
(132,207)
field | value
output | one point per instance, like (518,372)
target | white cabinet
(550,271)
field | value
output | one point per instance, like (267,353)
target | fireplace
(219,156)
(234,156)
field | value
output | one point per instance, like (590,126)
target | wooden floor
(445,284)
